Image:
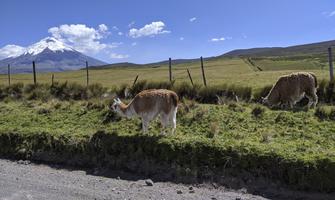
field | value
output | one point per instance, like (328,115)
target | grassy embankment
(297,148)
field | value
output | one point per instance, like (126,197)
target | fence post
(87,80)
(135,80)
(330,60)
(203,72)
(170,71)
(52,79)
(189,75)
(8,74)
(34,72)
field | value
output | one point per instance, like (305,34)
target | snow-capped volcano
(49,42)
(49,54)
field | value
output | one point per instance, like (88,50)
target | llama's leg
(312,98)
(173,119)
(145,124)
(291,103)
(164,121)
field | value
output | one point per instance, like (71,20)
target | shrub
(214,129)
(262,92)
(159,85)
(185,90)
(76,91)
(326,91)
(325,112)
(258,111)
(138,87)
(95,90)
(121,91)
(235,107)
(38,91)
(58,90)
(14,91)
(110,116)
(240,92)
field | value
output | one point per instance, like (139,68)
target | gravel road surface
(20,180)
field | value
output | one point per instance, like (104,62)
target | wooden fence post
(135,80)
(330,59)
(34,72)
(8,74)
(170,70)
(52,79)
(87,76)
(203,72)
(189,75)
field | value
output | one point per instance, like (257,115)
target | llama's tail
(175,99)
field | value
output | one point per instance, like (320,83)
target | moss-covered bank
(296,148)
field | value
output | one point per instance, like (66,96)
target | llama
(292,88)
(148,104)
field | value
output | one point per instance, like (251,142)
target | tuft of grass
(214,129)
(258,111)
(325,112)
(235,107)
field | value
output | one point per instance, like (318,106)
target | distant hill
(155,64)
(319,48)
(313,48)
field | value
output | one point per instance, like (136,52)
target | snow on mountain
(50,55)
(49,42)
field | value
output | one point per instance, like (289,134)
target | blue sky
(153,30)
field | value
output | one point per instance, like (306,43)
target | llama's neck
(127,110)
(273,96)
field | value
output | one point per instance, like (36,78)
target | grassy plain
(218,71)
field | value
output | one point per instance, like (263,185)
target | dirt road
(21,180)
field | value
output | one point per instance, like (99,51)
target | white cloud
(218,39)
(115,28)
(328,14)
(11,51)
(152,29)
(118,56)
(134,44)
(131,24)
(82,38)
(181,38)
(120,33)
(193,19)
(103,28)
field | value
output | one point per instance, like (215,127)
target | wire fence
(83,76)
(89,75)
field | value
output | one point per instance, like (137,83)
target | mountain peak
(49,42)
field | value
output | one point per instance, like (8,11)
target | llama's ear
(118,100)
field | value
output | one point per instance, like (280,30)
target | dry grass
(218,71)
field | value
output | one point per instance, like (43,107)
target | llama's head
(116,107)
(265,101)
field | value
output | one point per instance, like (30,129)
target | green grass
(297,148)
(218,71)
(269,64)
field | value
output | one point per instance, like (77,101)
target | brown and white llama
(148,104)
(290,89)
